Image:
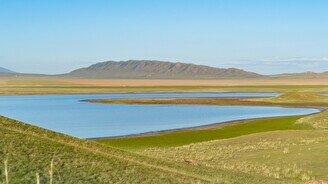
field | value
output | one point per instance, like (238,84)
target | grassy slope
(29,150)
(318,121)
(300,155)
(297,98)
(291,156)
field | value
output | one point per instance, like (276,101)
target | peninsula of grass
(183,137)
(300,99)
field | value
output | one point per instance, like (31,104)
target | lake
(67,114)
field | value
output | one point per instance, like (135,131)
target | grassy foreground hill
(29,150)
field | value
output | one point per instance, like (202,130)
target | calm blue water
(66,114)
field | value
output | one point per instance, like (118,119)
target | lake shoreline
(82,116)
(201,127)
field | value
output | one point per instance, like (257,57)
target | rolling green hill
(30,150)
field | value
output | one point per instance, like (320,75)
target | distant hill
(148,69)
(5,71)
(304,75)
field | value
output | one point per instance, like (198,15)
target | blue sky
(265,36)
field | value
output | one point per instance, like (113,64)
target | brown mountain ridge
(150,69)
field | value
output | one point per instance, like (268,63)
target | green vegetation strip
(183,137)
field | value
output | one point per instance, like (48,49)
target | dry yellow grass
(128,82)
(287,156)
(56,85)
(318,121)
(26,81)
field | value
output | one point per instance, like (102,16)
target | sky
(264,36)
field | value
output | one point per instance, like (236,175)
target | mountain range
(151,69)
(308,75)
(6,71)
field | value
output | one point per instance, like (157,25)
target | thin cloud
(283,65)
